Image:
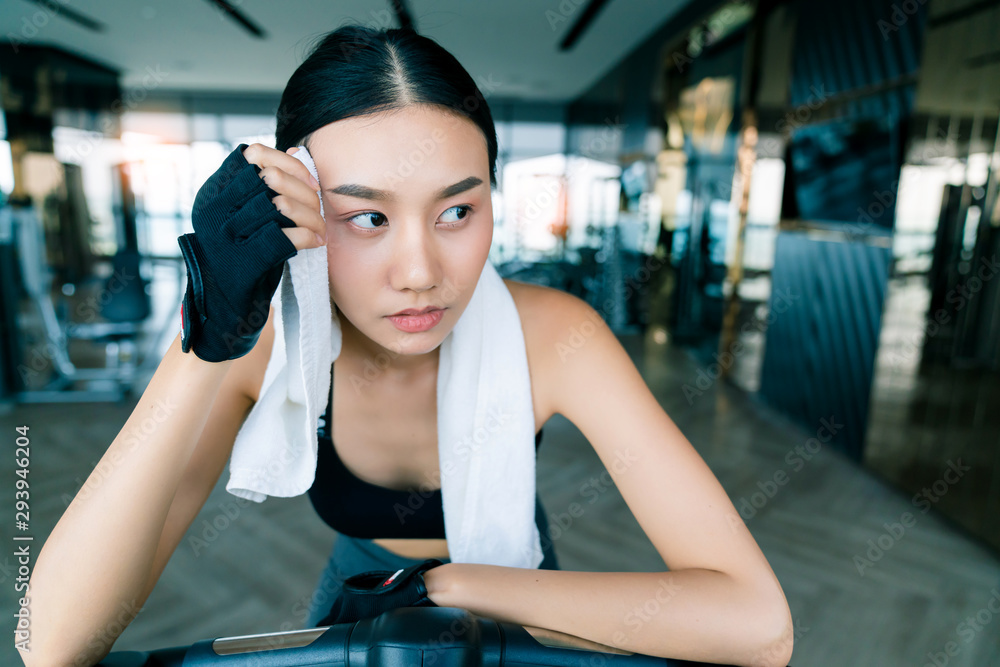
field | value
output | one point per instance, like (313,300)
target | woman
(405,147)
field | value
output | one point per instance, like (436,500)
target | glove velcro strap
(206,338)
(219,345)
(193,306)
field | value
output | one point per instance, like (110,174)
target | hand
(370,594)
(257,210)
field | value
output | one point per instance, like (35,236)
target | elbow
(39,655)
(37,658)
(778,654)
(777,650)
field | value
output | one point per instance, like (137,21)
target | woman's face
(409,221)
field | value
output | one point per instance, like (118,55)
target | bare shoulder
(550,316)
(555,323)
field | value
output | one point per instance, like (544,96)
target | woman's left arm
(718,602)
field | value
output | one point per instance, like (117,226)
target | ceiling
(510,47)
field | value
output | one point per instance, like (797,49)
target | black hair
(356,70)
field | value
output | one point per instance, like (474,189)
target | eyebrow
(365,192)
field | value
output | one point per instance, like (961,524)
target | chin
(410,344)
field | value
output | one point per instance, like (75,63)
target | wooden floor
(255,566)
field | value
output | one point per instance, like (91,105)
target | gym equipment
(123,306)
(401,637)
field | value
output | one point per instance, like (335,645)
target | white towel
(486,425)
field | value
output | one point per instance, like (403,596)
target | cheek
(470,259)
(485,236)
(346,270)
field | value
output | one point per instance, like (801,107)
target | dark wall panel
(826,306)
(855,65)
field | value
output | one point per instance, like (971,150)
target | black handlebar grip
(400,637)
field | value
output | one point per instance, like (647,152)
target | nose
(415,257)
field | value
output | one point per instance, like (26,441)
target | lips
(414,311)
(430,318)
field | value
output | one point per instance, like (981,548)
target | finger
(302,238)
(265,156)
(301,214)
(283,183)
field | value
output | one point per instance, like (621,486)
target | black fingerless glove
(234,260)
(370,594)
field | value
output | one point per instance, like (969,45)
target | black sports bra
(354,507)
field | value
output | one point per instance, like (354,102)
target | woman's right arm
(107,551)
(103,557)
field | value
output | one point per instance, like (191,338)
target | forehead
(414,143)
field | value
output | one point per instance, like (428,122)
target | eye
(369,213)
(465,209)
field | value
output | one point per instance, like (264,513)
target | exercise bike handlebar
(402,637)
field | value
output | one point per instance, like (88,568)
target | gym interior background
(786,210)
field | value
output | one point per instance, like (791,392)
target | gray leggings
(352,555)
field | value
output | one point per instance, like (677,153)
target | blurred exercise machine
(35,339)
(441,636)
